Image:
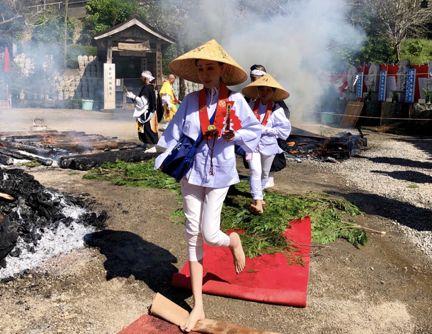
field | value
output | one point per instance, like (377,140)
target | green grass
(263,234)
(30,164)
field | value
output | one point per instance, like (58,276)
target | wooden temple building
(126,50)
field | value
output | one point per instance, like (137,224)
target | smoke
(296,40)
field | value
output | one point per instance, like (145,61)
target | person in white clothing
(224,119)
(275,125)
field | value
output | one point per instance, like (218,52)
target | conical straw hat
(267,80)
(185,65)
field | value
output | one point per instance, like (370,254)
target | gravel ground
(397,172)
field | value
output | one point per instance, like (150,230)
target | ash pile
(37,223)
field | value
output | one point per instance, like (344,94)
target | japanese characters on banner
(382,86)
(410,85)
(407,81)
(359,85)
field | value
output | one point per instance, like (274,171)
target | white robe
(186,121)
(278,127)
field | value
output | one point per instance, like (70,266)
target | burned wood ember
(88,161)
(35,212)
(47,147)
(339,147)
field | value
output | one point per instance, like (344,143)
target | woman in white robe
(206,184)
(275,125)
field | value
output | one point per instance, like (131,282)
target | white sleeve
(281,126)
(141,106)
(248,136)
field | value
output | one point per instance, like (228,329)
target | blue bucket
(87,104)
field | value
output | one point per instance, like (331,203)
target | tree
(11,19)
(104,14)
(394,19)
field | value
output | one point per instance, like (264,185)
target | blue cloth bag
(182,156)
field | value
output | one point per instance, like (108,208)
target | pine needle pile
(263,234)
(138,174)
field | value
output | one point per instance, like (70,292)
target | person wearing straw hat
(275,125)
(145,111)
(223,119)
(256,72)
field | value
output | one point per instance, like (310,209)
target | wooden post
(109,51)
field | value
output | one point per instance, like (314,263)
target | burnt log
(88,161)
(341,147)
(42,160)
(5,160)
(8,237)
(12,154)
(28,148)
(22,155)
(345,146)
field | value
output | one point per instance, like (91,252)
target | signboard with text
(109,86)
(382,86)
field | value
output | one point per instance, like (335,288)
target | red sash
(269,110)
(221,112)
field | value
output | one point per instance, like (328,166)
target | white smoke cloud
(295,41)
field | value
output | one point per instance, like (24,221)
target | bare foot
(257,207)
(237,252)
(196,315)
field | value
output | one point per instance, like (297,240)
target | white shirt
(278,126)
(186,122)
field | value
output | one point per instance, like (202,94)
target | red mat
(151,325)
(267,278)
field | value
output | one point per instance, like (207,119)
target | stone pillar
(158,74)
(109,86)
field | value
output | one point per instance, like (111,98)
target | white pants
(202,207)
(259,169)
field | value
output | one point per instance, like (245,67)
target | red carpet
(151,325)
(267,278)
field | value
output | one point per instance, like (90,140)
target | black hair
(258,67)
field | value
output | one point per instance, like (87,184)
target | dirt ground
(383,287)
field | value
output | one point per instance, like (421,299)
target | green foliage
(141,174)
(49,29)
(10,11)
(377,50)
(104,14)
(263,233)
(417,51)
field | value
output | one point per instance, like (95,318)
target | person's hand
(131,95)
(228,135)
